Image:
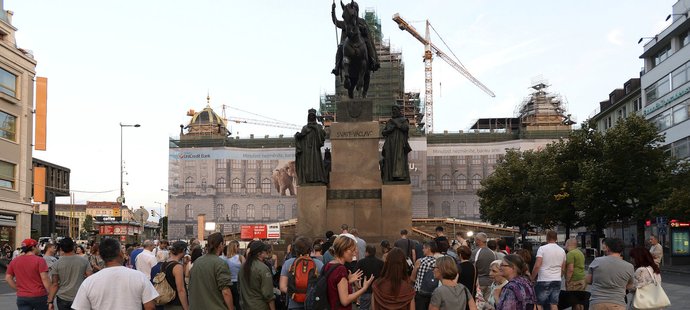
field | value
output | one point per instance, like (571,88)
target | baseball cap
(28,243)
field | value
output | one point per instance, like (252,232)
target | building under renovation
(386,87)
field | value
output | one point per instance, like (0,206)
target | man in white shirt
(146,260)
(161,251)
(656,250)
(548,270)
(115,286)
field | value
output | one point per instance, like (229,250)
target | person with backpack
(423,276)
(393,291)
(451,294)
(338,279)
(299,273)
(174,277)
(256,279)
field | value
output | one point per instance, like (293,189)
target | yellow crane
(429,50)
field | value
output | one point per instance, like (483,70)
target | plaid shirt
(426,264)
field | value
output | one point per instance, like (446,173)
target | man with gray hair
(146,260)
(656,250)
(482,258)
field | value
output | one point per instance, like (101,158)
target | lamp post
(121,199)
(454,184)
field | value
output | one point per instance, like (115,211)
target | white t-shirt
(145,261)
(114,288)
(552,257)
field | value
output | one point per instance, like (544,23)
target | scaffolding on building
(543,110)
(386,86)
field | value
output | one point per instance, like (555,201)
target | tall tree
(88,225)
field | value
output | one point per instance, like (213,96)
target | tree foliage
(88,224)
(589,179)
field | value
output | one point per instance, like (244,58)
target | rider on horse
(364,32)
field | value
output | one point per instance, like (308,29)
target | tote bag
(651,296)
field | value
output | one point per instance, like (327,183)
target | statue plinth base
(354,110)
(355,195)
(311,210)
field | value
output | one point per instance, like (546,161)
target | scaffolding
(543,110)
(386,86)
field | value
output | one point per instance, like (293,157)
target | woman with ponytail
(256,279)
(518,294)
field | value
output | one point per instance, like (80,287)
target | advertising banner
(260,231)
(246,232)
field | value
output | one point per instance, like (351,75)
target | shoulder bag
(651,296)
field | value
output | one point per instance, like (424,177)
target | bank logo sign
(232,153)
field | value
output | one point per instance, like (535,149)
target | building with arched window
(446,170)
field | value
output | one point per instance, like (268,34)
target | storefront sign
(675,223)
(8,217)
(107,218)
(273,231)
(662,103)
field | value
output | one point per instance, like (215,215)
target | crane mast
(429,50)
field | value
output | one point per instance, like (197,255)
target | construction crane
(270,123)
(429,50)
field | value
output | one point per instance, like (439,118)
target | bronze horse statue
(355,63)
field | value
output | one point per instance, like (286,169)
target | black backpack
(317,295)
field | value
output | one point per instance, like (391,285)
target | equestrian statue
(356,56)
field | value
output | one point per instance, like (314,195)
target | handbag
(651,296)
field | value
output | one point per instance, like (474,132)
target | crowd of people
(337,272)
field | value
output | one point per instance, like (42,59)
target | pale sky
(148,62)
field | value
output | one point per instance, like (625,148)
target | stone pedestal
(355,195)
(311,210)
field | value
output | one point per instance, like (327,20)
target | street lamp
(121,199)
(454,184)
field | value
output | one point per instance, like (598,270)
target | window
(619,114)
(189,184)
(7,174)
(685,38)
(461,160)
(265,164)
(475,209)
(430,161)
(235,164)
(461,181)
(203,184)
(189,230)
(250,212)
(607,123)
(651,94)
(431,180)
(176,183)
(637,104)
(220,163)
(294,211)
(414,179)
(663,120)
(266,186)
(188,212)
(281,212)
(679,77)
(234,212)
(266,212)
(445,160)
(251,185)
(219,211)
(8,126)
(236,185)
(681,148)
(662,55)
(680,113)
(445,209)
(663,86)
(445,182)
(432,210)
(8,83)
(220,185)
(476,159)
(251,164)
(462,208)
(476,181)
